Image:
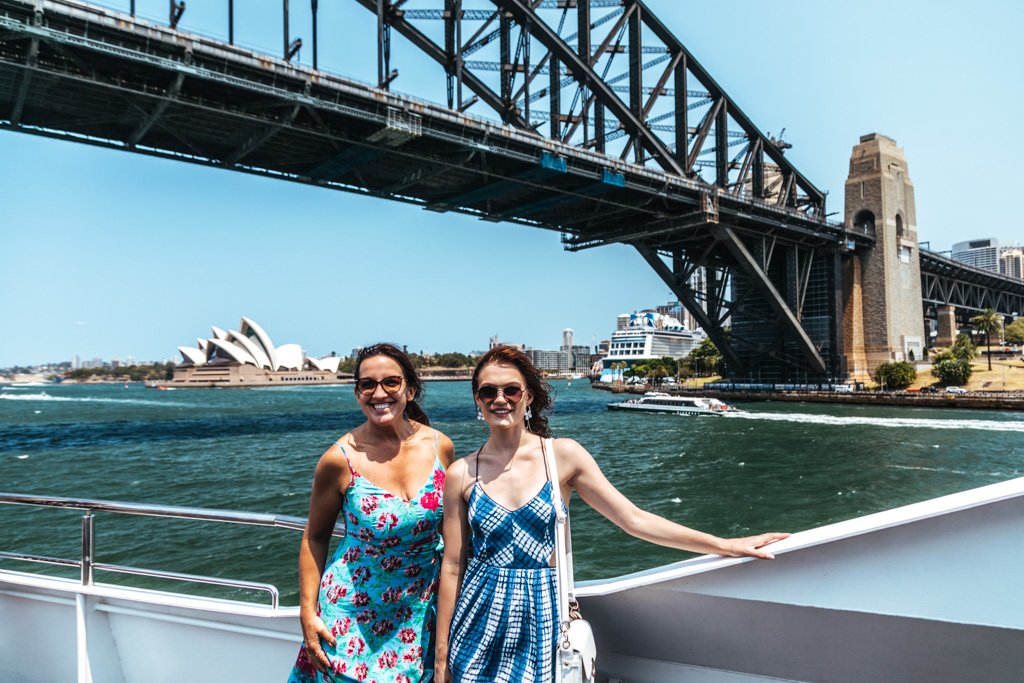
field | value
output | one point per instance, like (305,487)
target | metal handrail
(88,564)
(201,514)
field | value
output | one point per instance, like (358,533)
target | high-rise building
(552,361)
(1011,262)
(494,341)
(983,253)
(567,339)
(989,254)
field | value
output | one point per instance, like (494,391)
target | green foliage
(963,348)
(988,322)
(896,375)
(635,371)
(1014,332)
(952,371)
(444,360)
(454,360)
(349,365)
(706,359)
(130,373)
(656,370)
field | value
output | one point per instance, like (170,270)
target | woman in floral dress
(370,614)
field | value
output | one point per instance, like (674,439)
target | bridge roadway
(945,282)
(74,71)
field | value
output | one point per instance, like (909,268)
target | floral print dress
(378,594)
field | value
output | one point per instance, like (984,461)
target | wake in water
(43,396)
(898,422)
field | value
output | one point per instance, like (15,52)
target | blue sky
(105,253)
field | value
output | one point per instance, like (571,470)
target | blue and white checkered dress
(504,627)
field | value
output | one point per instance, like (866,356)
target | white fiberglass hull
(930,592)
(639,407)
(926,593)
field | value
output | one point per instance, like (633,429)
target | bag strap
(566,592)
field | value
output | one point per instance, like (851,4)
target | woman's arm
(331,478)
(455,527)
(595,489)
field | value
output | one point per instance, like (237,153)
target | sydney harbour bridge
(588,117)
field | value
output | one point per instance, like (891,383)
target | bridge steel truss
(969,290)
(557,147)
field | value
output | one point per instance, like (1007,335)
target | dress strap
(352,474)
(478,464)
(547,473)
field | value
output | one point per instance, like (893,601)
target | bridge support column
(880,204)
(947,328)
(853,320)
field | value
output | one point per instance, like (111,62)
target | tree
(1014,332)
(988,322)
(952,371)
(963,348)
(896,375)
(684,368)
(657,370)
(706,358)
(617,369)
(641,370)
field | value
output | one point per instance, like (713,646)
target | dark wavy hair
(413,409)
(535,384)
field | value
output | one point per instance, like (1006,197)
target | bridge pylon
(882,318)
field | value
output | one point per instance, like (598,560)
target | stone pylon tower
(883,319)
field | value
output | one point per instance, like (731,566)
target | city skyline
(111,254)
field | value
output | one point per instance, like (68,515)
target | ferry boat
(912,594)
(660,402)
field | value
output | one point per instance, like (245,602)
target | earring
(528,415)
(479,413)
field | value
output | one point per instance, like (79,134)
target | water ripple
(893,422)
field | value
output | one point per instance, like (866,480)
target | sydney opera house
(247,358)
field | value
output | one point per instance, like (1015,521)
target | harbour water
(773,467)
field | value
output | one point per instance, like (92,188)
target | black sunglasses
(367,385)
(513,393)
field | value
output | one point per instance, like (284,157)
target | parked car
(956,391)
(929,390)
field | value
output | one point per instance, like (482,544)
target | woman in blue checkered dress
(496,612)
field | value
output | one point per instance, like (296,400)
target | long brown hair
(535,384)
(413,409)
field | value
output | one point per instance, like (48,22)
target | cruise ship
(643,336)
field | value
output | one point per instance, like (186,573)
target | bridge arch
(610,132)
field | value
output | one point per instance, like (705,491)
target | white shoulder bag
(576,657)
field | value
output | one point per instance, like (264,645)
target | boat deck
(927,592)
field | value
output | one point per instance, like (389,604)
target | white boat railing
(87,563)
